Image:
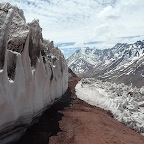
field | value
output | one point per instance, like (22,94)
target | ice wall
(33,73)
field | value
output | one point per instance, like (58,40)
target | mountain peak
(119,62)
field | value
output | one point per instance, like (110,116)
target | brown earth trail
(72,121)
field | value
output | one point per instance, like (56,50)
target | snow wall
(33,73)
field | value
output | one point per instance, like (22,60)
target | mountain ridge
(121,63)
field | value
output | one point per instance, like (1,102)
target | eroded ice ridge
(126,103)
(33,73)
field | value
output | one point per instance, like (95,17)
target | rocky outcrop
(33,73)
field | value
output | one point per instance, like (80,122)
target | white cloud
(81,21)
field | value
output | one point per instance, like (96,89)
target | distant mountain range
(124,63)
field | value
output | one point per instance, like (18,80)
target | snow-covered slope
(33,73)
(122,62)
(126,67)
(82,60)
(125,103)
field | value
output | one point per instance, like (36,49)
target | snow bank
(33,73)
(126,103)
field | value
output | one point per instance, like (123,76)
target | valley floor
(72,121)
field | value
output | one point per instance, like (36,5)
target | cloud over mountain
(109,21)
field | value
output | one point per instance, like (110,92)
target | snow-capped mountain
(122,63)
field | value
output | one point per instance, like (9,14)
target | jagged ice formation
(33,73)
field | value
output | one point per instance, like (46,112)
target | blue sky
(80,23)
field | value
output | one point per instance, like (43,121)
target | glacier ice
(125,102)
(33,73)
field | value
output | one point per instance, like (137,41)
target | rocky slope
(33,73)
(122,63)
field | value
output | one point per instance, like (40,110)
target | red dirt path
(85,124)
(72,121)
